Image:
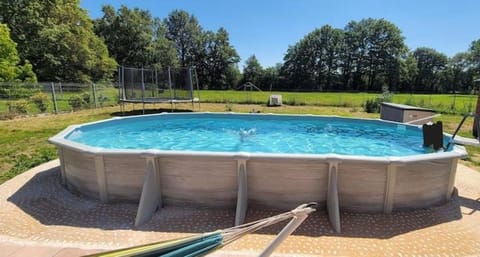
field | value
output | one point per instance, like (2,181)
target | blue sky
(266,28)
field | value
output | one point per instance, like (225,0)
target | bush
(102,100)
(76,102)
(228,107)
(373,105)
(41,101)
(290,101)
(86,99)
(19,106)
(17,90)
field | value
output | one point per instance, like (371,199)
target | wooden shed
(405,113)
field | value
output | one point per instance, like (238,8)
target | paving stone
(37,251)
(73,252)
(8,249)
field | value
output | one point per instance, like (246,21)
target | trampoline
(151,86)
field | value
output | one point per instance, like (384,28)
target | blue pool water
(255,134)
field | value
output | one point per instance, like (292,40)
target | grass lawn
(23,141)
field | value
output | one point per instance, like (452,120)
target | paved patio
(38,217)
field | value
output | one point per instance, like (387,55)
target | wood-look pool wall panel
(422,184)
(271,182)
(285,184)
(80,173)
(205,181)
(125,175)
(361,186)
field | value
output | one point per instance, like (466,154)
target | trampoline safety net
(156,85)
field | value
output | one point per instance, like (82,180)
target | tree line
(369,55)
(56,40)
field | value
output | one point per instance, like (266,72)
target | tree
(474,55)
(233,76)
(135,38)
(164,54)
(185,32)
(57,37)
(430,64)
(294,68)
(10,70)
(461,74)
(315,59)
(332,41)
(408,73)
(373,51)
(386,48)
(215,59)
(353,55)
(271,77)
(252,71)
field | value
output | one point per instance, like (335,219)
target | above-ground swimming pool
(276,161)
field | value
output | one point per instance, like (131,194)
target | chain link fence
(20,98)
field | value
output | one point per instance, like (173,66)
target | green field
(441,103)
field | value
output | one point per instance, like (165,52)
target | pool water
(255,134)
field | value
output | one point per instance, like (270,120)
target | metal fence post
(170,88)
(121,83)
(198,88)
(94,89)
(143,92)
(60,89)
(119,89)
(54,98)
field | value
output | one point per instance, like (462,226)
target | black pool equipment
(433,135)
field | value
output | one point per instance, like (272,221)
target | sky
(267,27)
